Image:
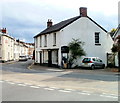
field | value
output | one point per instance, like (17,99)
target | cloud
(26,18)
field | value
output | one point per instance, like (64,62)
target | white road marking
(69,89)
(84,93)
(87,92)
(109,96)
(64,91)
(54,87)
(10,82)
(34,87)
(55,70)
(48,88)
(21,84)
(41,85)
(1,81)
(27,84)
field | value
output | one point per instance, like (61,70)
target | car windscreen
(22,56)
(86,60)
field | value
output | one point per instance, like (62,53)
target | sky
(26,18)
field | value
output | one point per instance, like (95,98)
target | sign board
(64,49)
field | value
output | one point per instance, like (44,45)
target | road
(17,92)
(52,84)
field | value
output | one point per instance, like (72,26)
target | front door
(40,58)
(49,58)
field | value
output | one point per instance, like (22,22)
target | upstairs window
(97,38)
(54,39)
(45,42)
(40,41)
(36,42)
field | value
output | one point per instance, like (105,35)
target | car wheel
(103,66)
(92,67)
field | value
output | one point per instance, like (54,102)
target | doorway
(49,58)
(40,58)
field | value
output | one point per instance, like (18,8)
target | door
(110,60)
(40,58)
(49,58)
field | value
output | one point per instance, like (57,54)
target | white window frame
(54,39)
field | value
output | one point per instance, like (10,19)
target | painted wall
(85,29)
(7,48)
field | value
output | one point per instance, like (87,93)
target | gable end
(97,24)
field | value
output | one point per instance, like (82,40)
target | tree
(76,50)
(112,31)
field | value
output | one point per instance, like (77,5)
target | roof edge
(77,17)
(97,24)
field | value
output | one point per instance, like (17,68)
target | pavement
(104,71)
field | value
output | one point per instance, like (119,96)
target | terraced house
(6,46)
(11,49)
(51,42)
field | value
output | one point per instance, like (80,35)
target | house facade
(51,42)
(6,46)
(30,48)
(11,49)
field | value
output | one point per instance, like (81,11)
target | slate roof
(63,24)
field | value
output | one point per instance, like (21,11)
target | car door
(95,61)
(100,64)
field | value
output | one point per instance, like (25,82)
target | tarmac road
(101,85)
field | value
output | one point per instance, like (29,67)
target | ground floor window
(45,56)
(55,56)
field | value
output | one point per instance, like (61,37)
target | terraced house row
(11,49)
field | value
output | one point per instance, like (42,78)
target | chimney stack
(4,30)
(49,23)
(83,11)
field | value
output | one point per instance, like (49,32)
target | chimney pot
(83,11)
(49,23)
(4,30)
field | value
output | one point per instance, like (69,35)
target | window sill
(98,44)
(54,45)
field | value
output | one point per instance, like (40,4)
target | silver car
(92,62)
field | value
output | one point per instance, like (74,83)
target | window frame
(40,41)
(45,41)
(54,39)
(97,38)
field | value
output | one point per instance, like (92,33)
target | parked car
(92,62)
(23,58)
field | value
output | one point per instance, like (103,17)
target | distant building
(11,49)
(50,42)
(30,48)
(6,46)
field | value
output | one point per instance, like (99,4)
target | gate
(110,60)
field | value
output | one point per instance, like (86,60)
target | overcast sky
(26,18)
